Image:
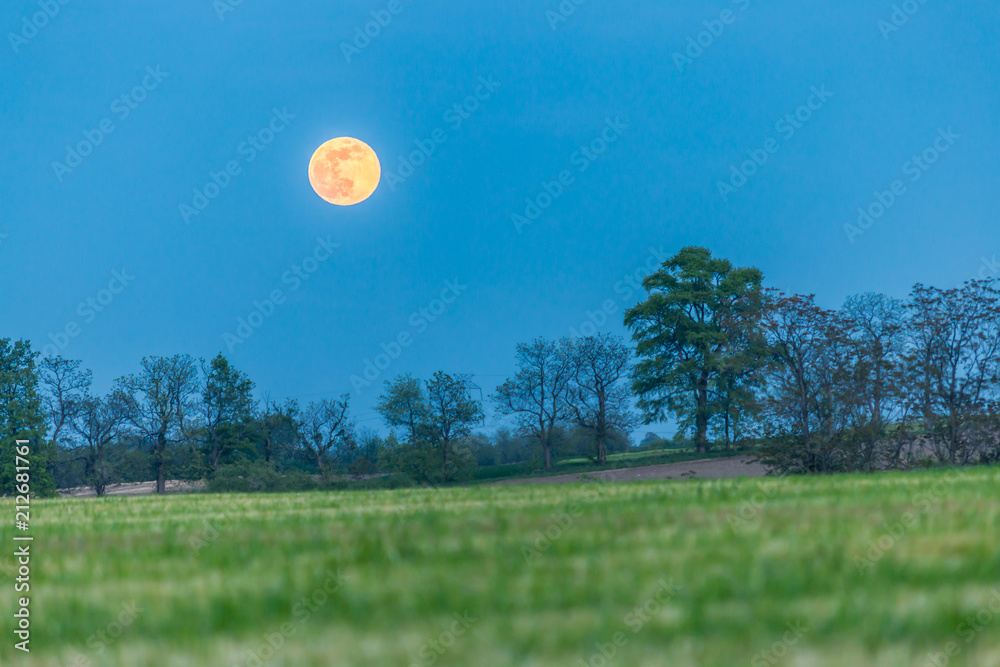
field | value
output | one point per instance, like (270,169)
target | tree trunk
(547,448)
(701,416)
(602,428)
(729,443)
(161,446)
(216,453)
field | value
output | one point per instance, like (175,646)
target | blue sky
(203,82)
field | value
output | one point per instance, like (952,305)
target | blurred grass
(215,574)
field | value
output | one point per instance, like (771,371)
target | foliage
(253,476)
(22,418)
(691,334)
(226,409)
(435,421)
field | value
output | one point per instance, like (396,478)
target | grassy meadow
(889,569)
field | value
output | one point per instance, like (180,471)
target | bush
(253,476)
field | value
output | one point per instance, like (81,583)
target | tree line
(179,417)
(876,384)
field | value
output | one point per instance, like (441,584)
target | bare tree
(537,394)
(158,402)
(599,397)
(99,422)
(278,425)
(954,363)
(65,386)
(326,428)
(809,405)
(877,326)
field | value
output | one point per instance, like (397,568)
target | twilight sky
(154,164)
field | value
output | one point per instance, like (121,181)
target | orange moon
(344,171)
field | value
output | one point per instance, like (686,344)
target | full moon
(344,171)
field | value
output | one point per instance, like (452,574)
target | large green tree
(22,418)
(227,409)
(698,307)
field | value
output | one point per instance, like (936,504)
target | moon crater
(344,171)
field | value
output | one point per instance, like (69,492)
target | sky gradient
(536,162)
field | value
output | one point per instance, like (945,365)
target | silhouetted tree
(537,395)
(327,431)
(99,423)
(599,399)
(159,400)
(65,385)
(227,407)
(954,365)
(451,415)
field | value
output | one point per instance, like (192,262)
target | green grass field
(847,570)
